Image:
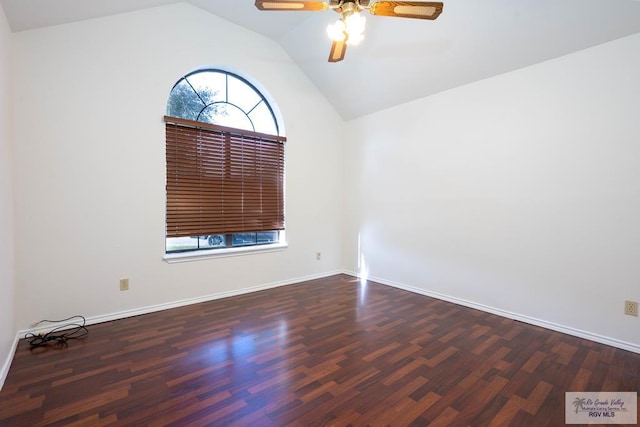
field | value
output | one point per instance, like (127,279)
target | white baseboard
(159,307)
(7,363)
(510,315)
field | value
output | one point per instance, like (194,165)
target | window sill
(223,253)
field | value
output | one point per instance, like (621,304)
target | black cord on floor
(59,335)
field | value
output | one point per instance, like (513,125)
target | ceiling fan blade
(407,9)
(291,5)
(338,49)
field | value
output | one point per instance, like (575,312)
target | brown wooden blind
(222,180)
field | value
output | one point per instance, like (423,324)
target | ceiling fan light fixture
(336,31)
(349,28)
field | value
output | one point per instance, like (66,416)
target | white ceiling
(400,59)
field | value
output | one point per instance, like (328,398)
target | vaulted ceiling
(400,59)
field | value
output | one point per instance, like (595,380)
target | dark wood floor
(324,352)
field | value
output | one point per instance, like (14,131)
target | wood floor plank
(327,352)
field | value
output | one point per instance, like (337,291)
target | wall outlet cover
(631,308)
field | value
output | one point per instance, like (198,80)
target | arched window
(222,98)
(225,165)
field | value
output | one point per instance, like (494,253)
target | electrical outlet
(318,256)
(124,284)
(631,308)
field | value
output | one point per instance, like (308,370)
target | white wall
(89,163)
(7,283)
(520,192)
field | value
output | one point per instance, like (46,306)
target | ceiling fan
(349,29)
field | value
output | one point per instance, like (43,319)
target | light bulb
(354,38)
(355,23)
(336,31)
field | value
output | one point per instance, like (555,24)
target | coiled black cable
(59,335)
